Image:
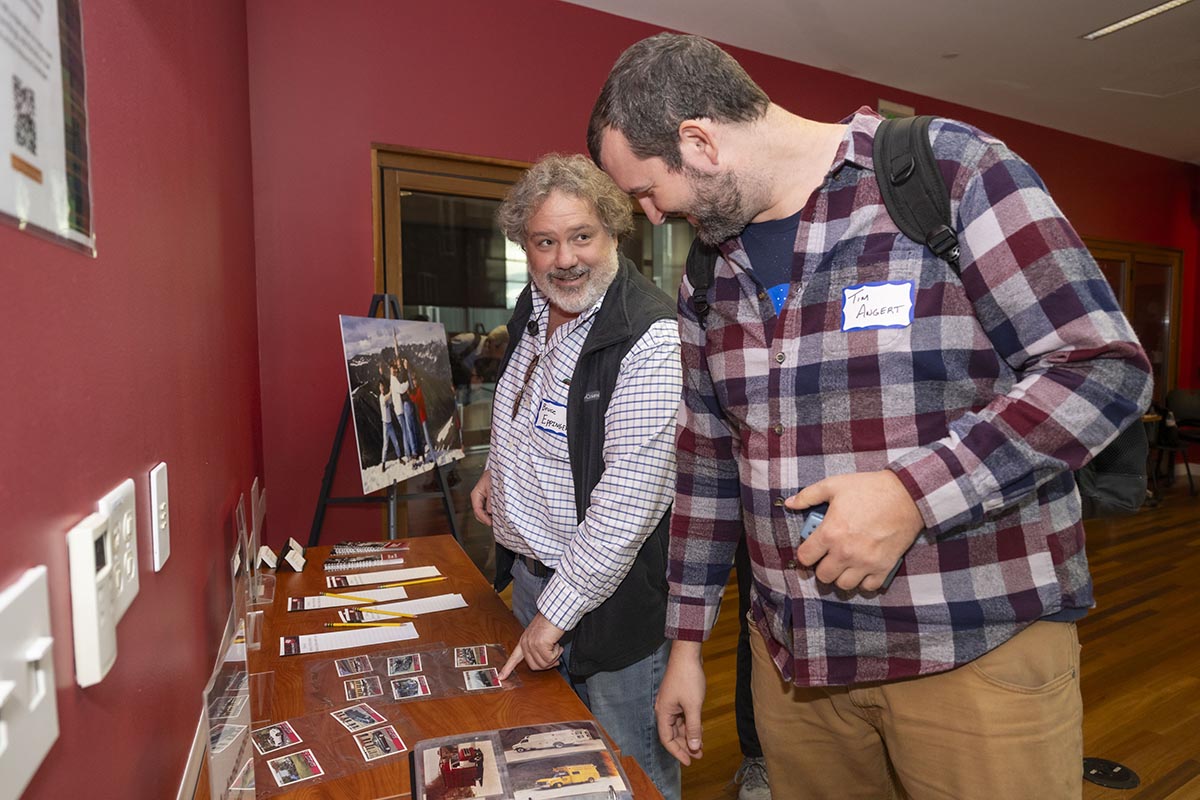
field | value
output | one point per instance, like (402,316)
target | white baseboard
(191,770)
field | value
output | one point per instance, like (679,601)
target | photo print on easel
(402,398)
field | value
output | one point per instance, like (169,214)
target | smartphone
(812,518)
(815,515)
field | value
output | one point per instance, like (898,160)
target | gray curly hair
(574,175)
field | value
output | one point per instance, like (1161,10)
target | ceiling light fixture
(1135,19)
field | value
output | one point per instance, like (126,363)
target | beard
(576,299)
(721,207)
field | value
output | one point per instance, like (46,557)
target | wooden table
(541,697)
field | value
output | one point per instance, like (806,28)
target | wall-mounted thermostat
(90,546)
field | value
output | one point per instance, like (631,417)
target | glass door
(1146,282)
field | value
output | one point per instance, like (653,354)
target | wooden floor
(1141,651)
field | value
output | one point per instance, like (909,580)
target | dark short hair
(573,175)
(660,82)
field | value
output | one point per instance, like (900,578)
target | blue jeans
(410,428)
(623,701)
(389,433)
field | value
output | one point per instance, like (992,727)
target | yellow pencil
(364,624)
(410,583)
(385,613)
(349,597)
(369,600)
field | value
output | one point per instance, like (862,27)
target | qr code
(24,111)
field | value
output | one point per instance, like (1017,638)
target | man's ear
(698,143)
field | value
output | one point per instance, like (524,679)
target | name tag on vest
(877,305)
(552,418)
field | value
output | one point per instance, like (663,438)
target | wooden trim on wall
(1132,253)
(396,169)
(376,210)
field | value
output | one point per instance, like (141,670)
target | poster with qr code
(45,185)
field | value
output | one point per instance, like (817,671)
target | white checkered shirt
(533,491)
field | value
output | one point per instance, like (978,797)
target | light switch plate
(160,516)
(28,700)
(120,508)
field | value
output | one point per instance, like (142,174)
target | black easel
(391,310)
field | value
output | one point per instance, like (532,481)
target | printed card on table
(341,640)
(352,666)
(379,743)
(274,737)
(477,679)
(295,768)
(403,665)
(404,688)
(357,718)
(363,687)
(470,656)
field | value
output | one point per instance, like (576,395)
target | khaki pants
(1007,726)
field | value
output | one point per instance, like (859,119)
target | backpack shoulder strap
(701,264)
(914,193)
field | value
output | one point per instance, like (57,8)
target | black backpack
(1114,482)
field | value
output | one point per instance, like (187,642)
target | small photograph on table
(357,718)
(274,737)
(522,744)
(586,775)
(470,656)
(462,769)
(353,666)
(405,688)
(360,688)
(403,665)
(477,679)
(295,768)
(379,743)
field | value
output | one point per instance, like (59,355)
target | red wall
(146,353)
(150,351)
(514,80)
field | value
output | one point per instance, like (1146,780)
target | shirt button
(779,502)
(778,429)
(762,295)
(793,564)
(779,357)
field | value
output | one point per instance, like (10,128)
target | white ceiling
(1138,88)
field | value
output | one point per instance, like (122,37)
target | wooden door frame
(433,171)
(1131,252)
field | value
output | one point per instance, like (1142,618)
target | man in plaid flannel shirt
(939,417)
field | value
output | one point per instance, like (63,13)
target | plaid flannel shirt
(1005,380)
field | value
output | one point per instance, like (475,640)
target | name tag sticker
(552,418)
(877,305)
